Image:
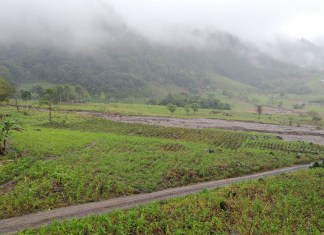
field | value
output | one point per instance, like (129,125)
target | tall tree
(172,108)
(316,117)
(47,98)
(25,96)
(187,108)
(194,107)
(5,90)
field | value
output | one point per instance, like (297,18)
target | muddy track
(15,224)
(303,133)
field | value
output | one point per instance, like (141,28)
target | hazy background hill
(301,52)
(113,58)
(133,66)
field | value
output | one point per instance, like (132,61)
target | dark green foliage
(172,108)
(187,108)
(224,206)
(298,106)
(5,90)
(25,96)
(194,107)
(62,93)
(206,102)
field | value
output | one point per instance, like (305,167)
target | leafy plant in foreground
(6,127)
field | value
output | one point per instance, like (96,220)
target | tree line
(59,94)
(67,93)
(186,101)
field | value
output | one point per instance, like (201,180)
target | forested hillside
(134,66)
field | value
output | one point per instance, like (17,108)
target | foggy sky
(84,21)
(250,19)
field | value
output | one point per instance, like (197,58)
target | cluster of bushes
(188,108)
(298,106)
(6,90)
(316,117)
(60,93)
(184,99)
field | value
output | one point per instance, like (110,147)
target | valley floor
(77,159)
(302,133)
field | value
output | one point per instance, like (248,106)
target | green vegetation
(62,93)
(25,96)
(286,204)
(5,90)
(66,157)
(221,104)
(315,116)
(241,112)
(46,166)
(172,108)
(143,69)
(183,100)
(6,128)
(187,108)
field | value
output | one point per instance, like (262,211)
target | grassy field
(285,204)
(81,159)
(241,111)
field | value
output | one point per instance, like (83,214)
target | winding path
(15,224)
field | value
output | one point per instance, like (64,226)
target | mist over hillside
(301,52)
(96,47)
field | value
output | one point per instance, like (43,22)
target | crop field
(81,158)
(285,204)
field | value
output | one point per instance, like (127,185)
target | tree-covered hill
(135,66)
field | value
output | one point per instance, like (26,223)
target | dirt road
(15,224)
(303,133)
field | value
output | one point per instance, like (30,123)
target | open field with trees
(241,112)
(57,149)
(45,168)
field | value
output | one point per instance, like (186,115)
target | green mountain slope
(134,66)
